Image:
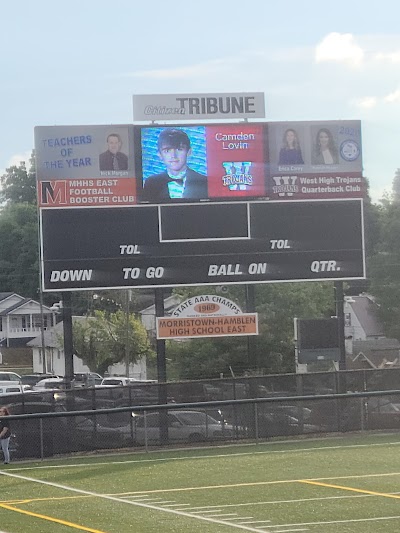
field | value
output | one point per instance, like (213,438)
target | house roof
(53,335)
(378,353)
(4,295)
(20,304)
(366,311)
(169,303)
(14,307)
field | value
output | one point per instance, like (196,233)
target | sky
(81,61)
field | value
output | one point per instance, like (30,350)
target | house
(148,315)
(366,344)
(361,318)
(54,360)
(21,319)
(375,353)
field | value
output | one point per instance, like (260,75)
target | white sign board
(162,107)
(207,315)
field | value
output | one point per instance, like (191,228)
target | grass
(339,484)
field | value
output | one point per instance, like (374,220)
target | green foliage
(106,339)
(396,187)
(19,263)
(272,351)
(18,185)
(384,268)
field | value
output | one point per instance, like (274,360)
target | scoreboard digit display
(218,243)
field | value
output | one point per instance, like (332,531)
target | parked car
(87,379)
(115,381)
(33,379)
(49,383)
(183,426)
(10,376)
(12,388)
(26,433)
(100,432)
(384,416)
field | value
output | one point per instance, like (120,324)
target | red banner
(87,192)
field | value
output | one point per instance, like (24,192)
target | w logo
(285,185)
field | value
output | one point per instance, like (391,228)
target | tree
(277,305)
(19,255)
(102,340)
(18,185)
(384,267)
(396,187)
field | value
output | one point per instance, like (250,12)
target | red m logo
(53,192)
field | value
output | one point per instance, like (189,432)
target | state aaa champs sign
(207,316)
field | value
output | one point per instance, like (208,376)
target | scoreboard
(130,206)
(201,243)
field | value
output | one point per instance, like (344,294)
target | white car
(13,388)
(49,384)
(183,426)
(115,381)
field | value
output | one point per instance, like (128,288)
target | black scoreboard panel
(218,243)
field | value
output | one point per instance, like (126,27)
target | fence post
(145,431)
(41,438)
(256,421)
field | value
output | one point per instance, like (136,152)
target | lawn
(338,484)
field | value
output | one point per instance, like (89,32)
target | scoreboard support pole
(341,383)
(339,300)
(251,341)
(251,355)
(68,356)
(68,342)
(161,367)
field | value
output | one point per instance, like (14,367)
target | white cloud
(392,57)
(368,102)
(393,97)
(16,159)
(339,48)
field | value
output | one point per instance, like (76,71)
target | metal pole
(41,438)
(44,365)
(128,297)
(339,298)
(161,361)
(251,341)
(68,340)
(161,368)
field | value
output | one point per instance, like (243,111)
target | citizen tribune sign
(198,106)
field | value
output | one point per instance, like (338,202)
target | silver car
(183,426)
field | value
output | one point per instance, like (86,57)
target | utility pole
(127,324)
(68,341)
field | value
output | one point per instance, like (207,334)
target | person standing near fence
(5,433)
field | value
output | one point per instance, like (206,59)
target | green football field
(339,484)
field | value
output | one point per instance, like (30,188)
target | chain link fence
(262,407)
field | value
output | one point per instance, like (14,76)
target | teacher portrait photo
(113,158)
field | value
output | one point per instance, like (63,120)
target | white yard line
(134,503)
(349,521)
